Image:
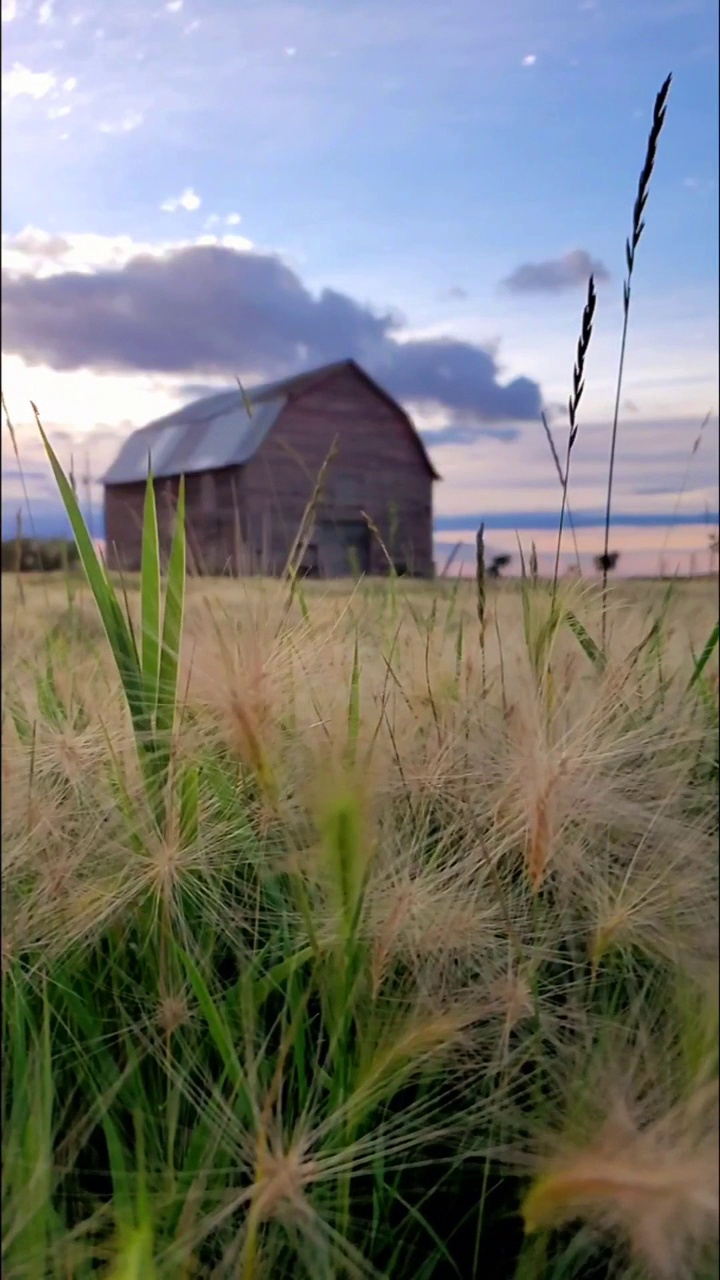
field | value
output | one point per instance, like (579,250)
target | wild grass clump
(358,933)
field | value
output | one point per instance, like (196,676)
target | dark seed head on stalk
(480,576)
(579,369)
(638,227)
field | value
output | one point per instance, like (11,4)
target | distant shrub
(38,555)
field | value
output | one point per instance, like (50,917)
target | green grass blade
(190,805)
(459,652)
(708,650)
(23,727)
(354,707)
(172,623)
(50,704)
(115,625)
(150,593)
(587,644)
(220,1033)
(135,1260)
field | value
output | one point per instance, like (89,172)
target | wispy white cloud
(174,6)
(130,121)
(21,82)
(529,60)
(9,10)
(189,201)
(45,13)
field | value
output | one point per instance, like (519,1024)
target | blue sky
(420,160)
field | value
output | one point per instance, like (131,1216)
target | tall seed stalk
(630,250)
(558,468)
(573,406)
(481,594)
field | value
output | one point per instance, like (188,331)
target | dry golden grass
(451,868)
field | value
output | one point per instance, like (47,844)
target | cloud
(250,314)
(9,11)
(132,120)
(174,6)
(556,275)
(529,60)
(45,13)
(21,82)
(189,200)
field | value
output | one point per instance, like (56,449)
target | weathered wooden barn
(252,468)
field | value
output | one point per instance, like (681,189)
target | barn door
(343,548)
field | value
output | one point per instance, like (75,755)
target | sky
(198,189)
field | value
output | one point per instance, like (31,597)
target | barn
(251,464)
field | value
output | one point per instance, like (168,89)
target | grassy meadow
(415,974)
(359,930)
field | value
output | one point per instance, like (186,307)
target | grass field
(410,970)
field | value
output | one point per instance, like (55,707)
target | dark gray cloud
(556,275)
(212,310)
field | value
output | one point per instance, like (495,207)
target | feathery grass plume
(649,1185)
(631,246)
(663,907)
(573,407)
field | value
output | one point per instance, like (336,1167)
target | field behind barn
(410,966)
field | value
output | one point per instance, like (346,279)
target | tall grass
(341,938)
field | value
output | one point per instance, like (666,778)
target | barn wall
(216,533)
(123,525)
(214,519)
(378,469)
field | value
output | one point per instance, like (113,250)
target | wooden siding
(378,469)
(240,519)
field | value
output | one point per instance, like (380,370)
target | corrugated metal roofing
(210,433)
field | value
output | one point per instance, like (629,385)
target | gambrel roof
(220,431)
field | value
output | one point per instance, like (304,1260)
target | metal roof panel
(204,436)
